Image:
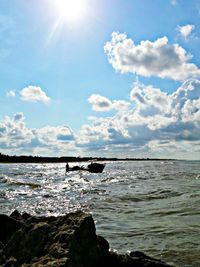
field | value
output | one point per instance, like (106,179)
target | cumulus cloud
(100,103)
(14,134)
(11,93)
(34,94)
(150,100)
(120,105)
(186,100)
(155,124)
(54,135)
(157,121)
(185,31)
(159,110)
(18,117)
(158,58)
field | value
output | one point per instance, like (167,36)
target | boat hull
(92,167)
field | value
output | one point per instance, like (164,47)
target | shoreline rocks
(68,240)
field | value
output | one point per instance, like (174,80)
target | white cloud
(101,103)
(53,139)
(11,93)
(157,123)
(52,135)
(157,58)
(120,105)
(58,140)
(159,110)
(18,117)
(150,100)
(34,94)
(95,134)
(186,30)
(185,101)
(13,132)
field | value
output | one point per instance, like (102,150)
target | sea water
(151,206)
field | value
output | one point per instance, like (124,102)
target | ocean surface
(151,206)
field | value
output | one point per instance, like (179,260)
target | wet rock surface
(68,240)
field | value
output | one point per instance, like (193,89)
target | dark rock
(69,241)
(8,227)
(85,247)
(10,262)
(16,215)
(1,245)
(28,242)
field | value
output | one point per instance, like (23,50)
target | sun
(71,10)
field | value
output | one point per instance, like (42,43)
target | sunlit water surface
(152,206)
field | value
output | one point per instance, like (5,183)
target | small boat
(96,167)
(92,167)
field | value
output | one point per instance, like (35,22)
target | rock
(85,247)
(69,241)
(135,259)
(10,262)
(8,227)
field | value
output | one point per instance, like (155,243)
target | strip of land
(38,159)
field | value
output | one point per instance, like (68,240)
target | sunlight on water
(152,206)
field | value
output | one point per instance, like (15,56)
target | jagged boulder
(69,241)
(8,227)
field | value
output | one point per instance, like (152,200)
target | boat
(96,167)
(92,167)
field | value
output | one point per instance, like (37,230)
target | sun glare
(71,10)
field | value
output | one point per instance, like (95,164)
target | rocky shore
(68,240)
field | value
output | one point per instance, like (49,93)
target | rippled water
(152,206)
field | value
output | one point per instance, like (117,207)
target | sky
(117,78)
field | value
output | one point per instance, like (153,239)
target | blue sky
(100,78)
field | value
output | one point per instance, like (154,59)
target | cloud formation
(157,124)
(11,93)
(185,31)
(53,135)
(158,58)
(34,94)
(16,137)
(101,103)
(13,132)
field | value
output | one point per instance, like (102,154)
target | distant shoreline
(36,159)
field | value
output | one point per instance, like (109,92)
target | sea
(150,206)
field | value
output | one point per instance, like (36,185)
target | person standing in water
(67,167)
